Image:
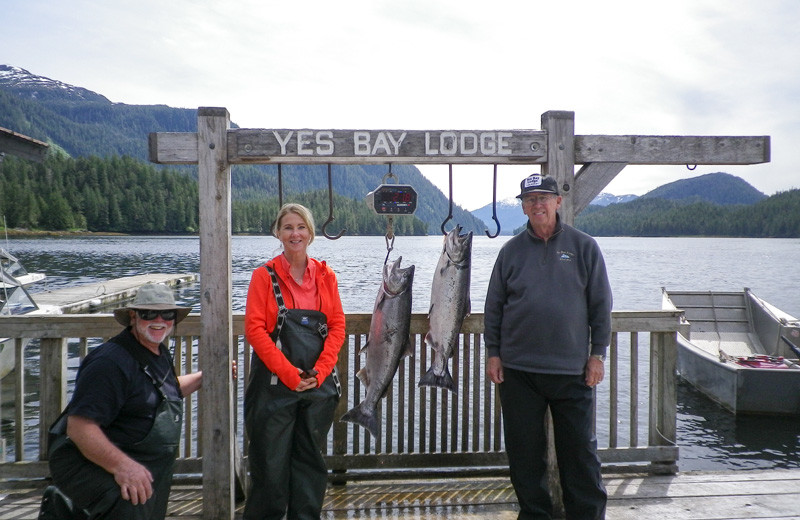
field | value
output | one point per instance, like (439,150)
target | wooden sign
(398,146)
(362,146)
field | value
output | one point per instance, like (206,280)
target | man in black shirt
(123,425)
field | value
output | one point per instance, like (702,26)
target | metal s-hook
(450,213)
(494,206)
(330,210)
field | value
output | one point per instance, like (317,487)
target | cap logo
(533,181)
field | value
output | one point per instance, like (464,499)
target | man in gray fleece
(547,323)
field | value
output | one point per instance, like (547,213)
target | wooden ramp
(88,297)
(751,494)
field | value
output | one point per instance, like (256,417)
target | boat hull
(740,390)
(723,327)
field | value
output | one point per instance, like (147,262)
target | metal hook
(494,206)
(450,213)
(389,237)
(691,168)
(330,210)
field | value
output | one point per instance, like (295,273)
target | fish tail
(442,381)
(369,421)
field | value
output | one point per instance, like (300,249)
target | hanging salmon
(450,304)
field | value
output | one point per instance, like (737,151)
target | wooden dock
(752,494)
(88,297)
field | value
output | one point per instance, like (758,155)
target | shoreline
(14,232)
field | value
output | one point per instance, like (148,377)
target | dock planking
(752,494)
(88,297)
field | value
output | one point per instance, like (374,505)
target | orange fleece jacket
(261,318)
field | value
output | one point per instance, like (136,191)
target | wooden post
(663,393)
(560,128)
(560,164)
(52,386)
(216,398)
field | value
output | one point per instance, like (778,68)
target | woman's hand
(308,380)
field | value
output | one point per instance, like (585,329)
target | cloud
(687,67)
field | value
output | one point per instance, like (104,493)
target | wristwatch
(601,357)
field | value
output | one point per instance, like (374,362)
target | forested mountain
(104,182)
(121,194)
(83,124)
(718,188)
(775,216)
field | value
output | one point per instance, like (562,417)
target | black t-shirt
(113,390)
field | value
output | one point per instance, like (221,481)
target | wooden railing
(422,427)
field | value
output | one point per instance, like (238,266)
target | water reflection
(711,438)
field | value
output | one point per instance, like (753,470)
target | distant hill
(716,204)
(718,188)
(509,211)
(713,204)
(83,123)
(606,199)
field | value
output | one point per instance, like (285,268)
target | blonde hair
(299,210)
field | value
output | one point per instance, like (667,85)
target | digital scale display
(393,199)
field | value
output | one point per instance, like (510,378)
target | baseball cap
(537,183)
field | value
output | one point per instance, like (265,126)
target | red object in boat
(762,361)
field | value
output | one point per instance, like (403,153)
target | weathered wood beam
(215,402)
(560,164)
(671,149)
(254,146)
(172,147)
(287,146)
(590,180)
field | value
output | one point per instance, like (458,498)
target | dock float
(90,297)
(764,494)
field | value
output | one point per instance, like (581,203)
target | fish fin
(363,348)
(358,415)
(429,341)
(362,376)
(430,311)
(443,381)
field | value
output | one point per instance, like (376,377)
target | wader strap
(282,310)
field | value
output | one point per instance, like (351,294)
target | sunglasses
(149,314)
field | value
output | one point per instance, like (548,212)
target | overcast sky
(682,67)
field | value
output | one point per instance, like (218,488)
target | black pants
(525,398)
(287,471)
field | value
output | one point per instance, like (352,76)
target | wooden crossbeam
(251,146)
(671,149)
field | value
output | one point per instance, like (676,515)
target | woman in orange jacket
(296,332)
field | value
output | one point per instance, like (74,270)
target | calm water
(710,438)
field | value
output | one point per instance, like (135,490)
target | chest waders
(84,490)
(288,429)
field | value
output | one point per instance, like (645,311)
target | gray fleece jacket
(548,305)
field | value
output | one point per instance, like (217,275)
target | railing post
(52,386)
(663,395)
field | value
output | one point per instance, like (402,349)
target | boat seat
(732,343)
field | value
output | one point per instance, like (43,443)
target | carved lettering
(282,142)
(325,143)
